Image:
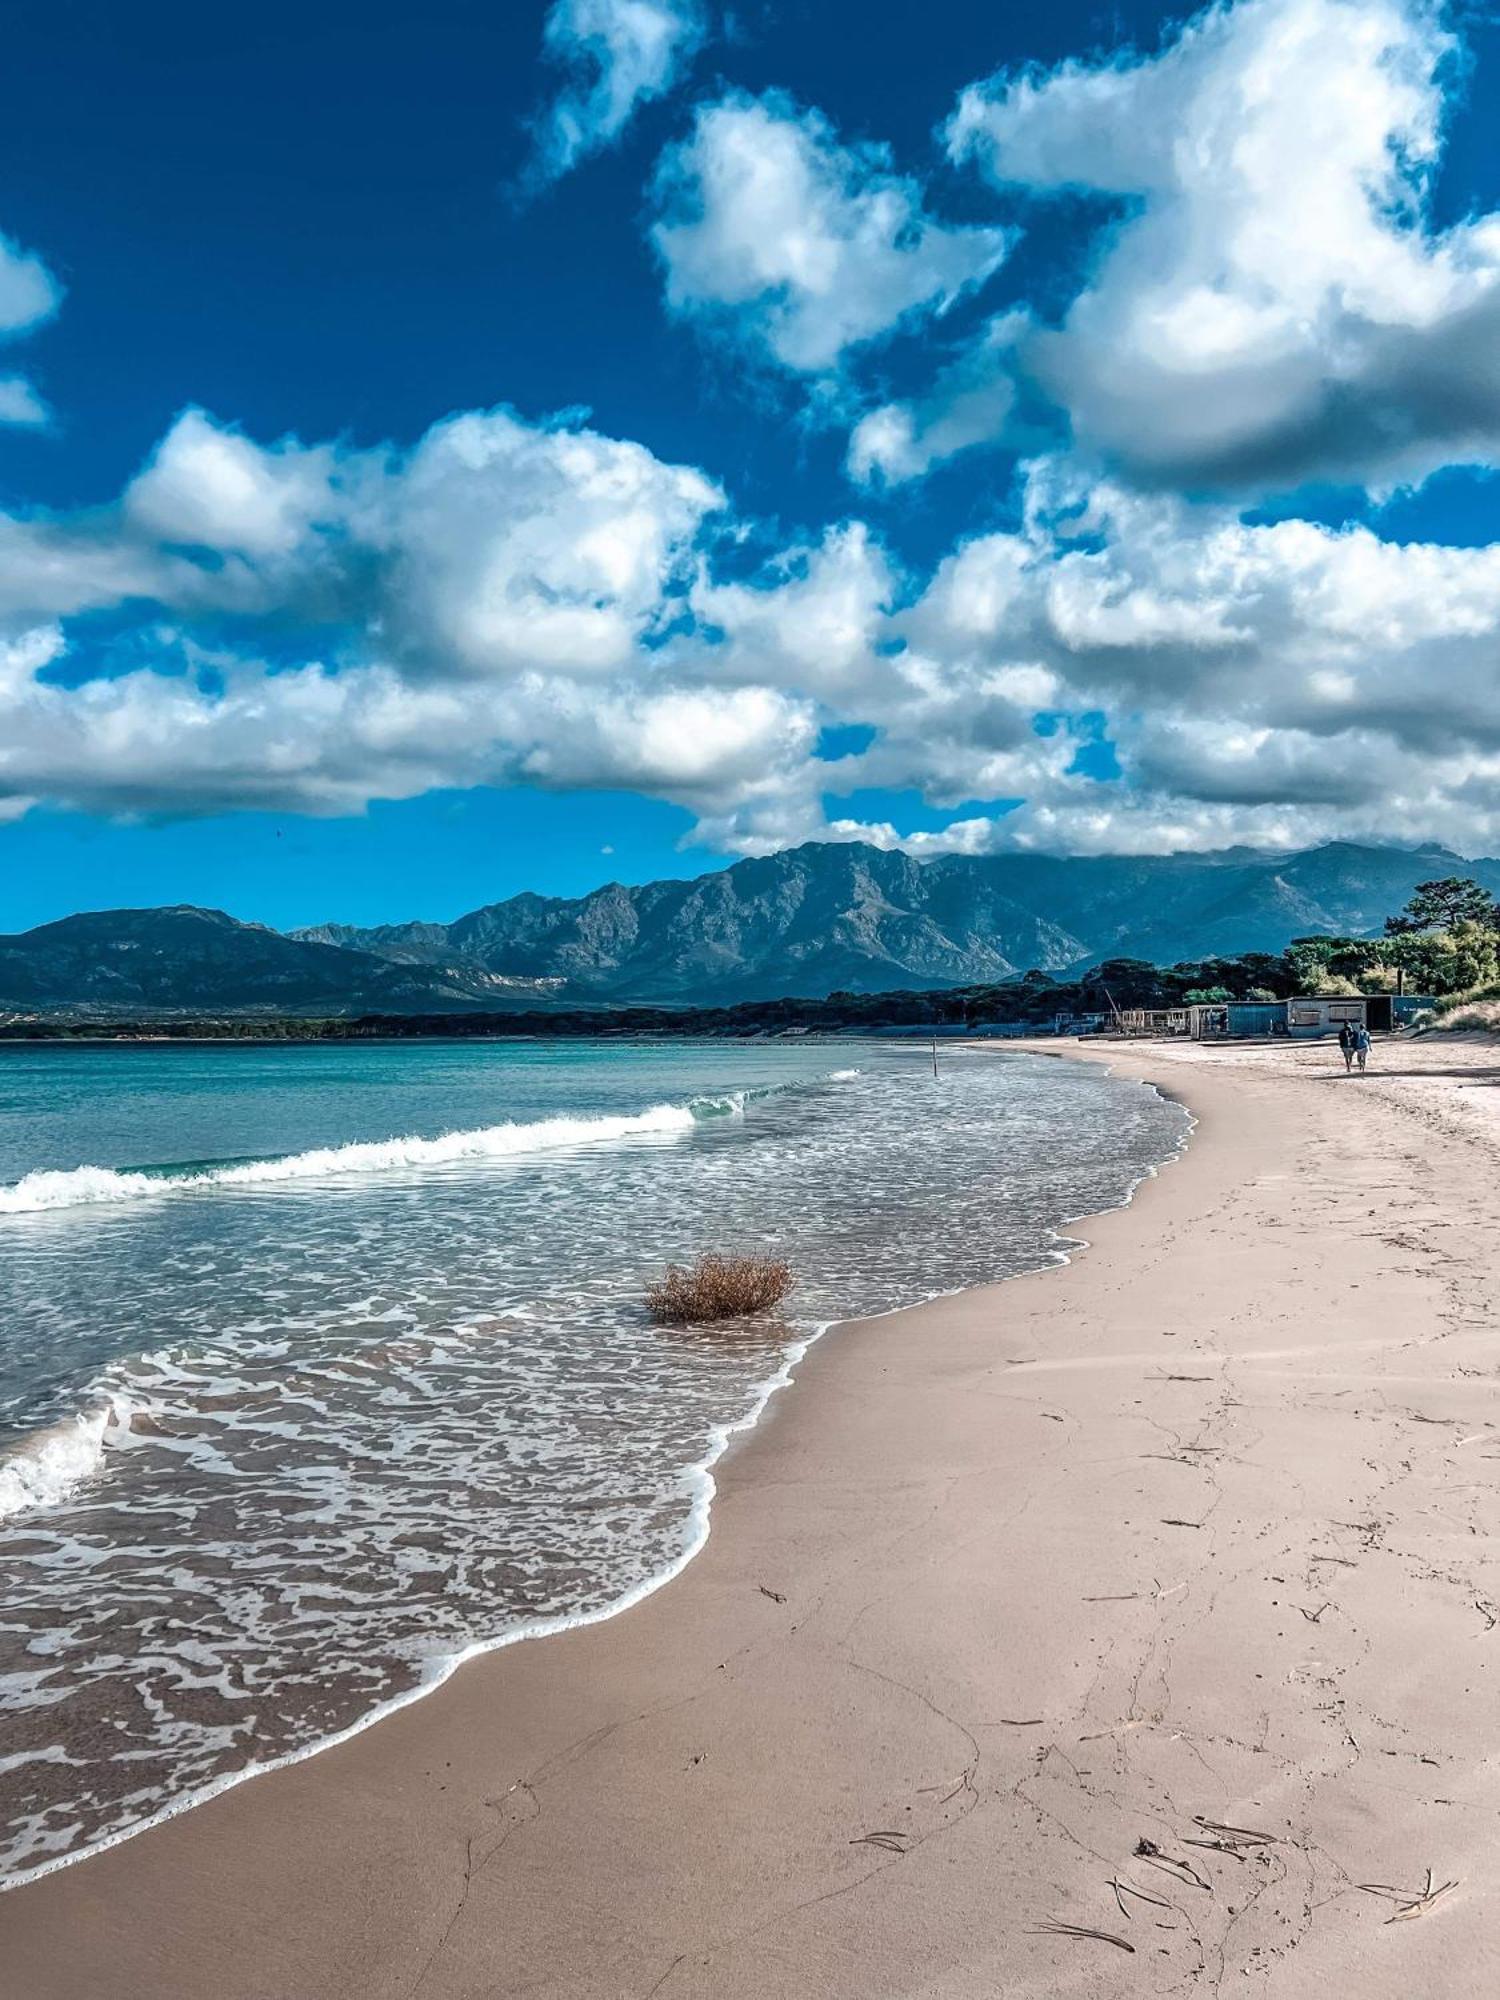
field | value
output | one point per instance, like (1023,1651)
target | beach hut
(1305,1018)
(1325,1014)
(1313,1015)
(1256,1020)
(1236,1020)
(1152,1022)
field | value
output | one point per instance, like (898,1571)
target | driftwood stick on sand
(1055,1927)
(1413,1902)
(1124,1889)
(1238,1841)
(1170,1864)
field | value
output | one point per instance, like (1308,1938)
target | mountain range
(808,921)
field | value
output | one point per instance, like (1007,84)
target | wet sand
(1157,1596)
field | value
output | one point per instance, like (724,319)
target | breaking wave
(75,1187)
(489,1142)
(49,1466)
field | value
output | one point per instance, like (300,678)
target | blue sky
(522,446)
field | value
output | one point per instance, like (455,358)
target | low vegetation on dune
(1478,1009)
(718,1287)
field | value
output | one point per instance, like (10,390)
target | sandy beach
(1129,1627)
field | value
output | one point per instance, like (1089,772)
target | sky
(488,448)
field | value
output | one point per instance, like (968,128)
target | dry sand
(1173,1570)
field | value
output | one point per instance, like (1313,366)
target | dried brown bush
(718,1287)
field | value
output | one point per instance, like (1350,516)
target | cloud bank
(1135,663)
(508,602)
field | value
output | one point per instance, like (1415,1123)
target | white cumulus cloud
(20,404)
(512,603)
(969,403)
(813,620)
(618,55)
(804,248)
(210,486)
(28,291)
(1273,303)
(29,294)
(311,626)
(513,545)
(484,608)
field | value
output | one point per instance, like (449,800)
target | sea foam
(49,1466)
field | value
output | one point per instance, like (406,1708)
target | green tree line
(1446,940)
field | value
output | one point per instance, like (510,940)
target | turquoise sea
(323,1367)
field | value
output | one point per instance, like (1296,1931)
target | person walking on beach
(1361,1046)
(1346,1043)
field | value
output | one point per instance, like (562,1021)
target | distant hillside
(814,920)
(808,921)
(826,916)
(185,960)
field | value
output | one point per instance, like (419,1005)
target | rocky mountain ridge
(807,922)
(826,916)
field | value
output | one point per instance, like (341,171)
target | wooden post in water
(934,1055)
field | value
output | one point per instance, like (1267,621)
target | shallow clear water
(320,1366)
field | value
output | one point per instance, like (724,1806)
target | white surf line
(54,1188)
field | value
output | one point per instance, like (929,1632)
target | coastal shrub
(718,1287)
(1478,1008)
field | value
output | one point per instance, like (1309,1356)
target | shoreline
(696,1529)
(724,1439)
(664,1800)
